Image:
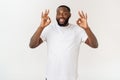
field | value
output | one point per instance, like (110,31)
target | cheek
(67,16)
(57,18)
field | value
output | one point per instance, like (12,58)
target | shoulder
(76,28)
(48,28)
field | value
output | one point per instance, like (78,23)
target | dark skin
(62,15)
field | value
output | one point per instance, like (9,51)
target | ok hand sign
(45,19)
(82,21)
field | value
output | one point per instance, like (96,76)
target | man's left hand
(82,21)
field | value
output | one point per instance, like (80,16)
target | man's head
(63,15)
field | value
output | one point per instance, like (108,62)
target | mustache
(62,18)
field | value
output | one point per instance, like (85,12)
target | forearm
(35,39)
(92,41)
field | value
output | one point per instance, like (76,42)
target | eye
(65,13)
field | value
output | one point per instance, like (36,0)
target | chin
(62,24)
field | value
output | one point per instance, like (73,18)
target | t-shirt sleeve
(43,35)
(84,36)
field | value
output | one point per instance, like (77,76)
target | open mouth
(61,20)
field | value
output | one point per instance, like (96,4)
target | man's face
(62,16)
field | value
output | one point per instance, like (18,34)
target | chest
(62,36)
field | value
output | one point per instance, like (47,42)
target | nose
(61,15)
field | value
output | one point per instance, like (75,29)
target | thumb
(78,21)
(49,20)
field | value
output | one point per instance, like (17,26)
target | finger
(86,16)
(80,14)
(49,20)
(83,14)
(46,12)
(78,21)
(42,14)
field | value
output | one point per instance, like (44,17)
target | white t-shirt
(63,49)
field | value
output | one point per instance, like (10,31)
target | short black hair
(65,7)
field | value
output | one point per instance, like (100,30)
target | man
(63,41)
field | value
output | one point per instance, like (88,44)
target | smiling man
(63,15)
(63,41)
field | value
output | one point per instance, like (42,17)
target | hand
(45,19)
(82,21)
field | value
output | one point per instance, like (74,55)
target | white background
(19,19)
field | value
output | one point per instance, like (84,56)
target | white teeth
(61,20)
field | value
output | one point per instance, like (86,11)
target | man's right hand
(45,19)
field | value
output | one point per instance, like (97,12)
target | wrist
(41,26)
(86,27)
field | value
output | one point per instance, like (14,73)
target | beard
(64,23)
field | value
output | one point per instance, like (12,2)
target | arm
(91,40)
(36,40)
(82,22)
(45,21)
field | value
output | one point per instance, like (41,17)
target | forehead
(62,9)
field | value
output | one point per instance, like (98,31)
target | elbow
(34,44)
(31,46)
(95,45)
